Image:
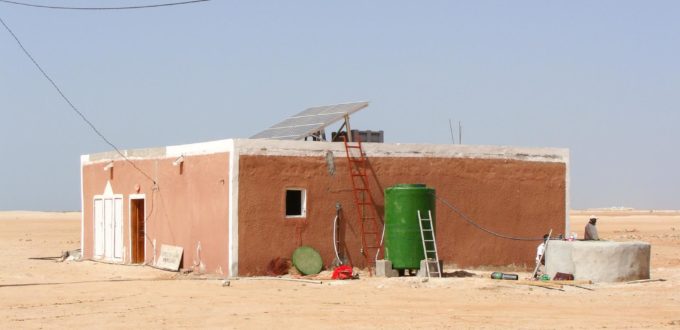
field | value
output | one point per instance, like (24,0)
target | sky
(601,78)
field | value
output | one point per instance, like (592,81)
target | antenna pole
(460,133)
(451,129)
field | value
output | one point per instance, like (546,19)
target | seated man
(591,230)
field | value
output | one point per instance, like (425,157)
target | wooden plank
(537,283)
(575,282)
(572,282)
(646,281)
(581,287)
(540,284)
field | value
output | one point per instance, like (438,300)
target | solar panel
(309,121)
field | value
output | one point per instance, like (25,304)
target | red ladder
(371,230)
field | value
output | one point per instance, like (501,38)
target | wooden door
(137,230)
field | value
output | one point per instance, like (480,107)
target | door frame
(130,198)
(94,228)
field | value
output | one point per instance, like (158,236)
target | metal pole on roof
(349,130)
(460,133)
(451,129)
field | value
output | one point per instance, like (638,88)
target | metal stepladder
(369,219)
(429,245)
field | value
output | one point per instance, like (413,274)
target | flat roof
(266,147)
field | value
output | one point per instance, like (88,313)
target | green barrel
(403,244)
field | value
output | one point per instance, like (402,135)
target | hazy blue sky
(601,78)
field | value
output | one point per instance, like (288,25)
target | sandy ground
(43,293)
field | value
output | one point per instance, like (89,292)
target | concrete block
(383,268)
(421,272)
(599,261)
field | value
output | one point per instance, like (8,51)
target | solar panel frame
(309,121)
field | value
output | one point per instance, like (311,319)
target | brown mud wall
(517,198)
(191,205)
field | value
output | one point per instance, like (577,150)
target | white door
(118,228)
(98,228)
(108,228)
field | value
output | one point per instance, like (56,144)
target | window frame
(303,203)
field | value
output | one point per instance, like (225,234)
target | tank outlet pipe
(382,240)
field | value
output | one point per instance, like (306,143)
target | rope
(476,225)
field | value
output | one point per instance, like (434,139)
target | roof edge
(266,147)
(313,148)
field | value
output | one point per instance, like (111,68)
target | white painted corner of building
(83,160)
(233,208)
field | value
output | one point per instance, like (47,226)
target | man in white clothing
(591,230)
(540,254)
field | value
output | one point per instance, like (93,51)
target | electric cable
(80,114)
(476,225)
(167,4)
(335,239)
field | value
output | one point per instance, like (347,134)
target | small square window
(295,203)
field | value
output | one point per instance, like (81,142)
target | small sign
(170,258)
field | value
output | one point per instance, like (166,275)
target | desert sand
(39,292)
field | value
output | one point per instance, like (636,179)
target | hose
(335,232)
(335,239)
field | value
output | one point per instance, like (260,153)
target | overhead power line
(103,8)
(478,226)
(80,114)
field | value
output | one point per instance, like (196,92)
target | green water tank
(403,244)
